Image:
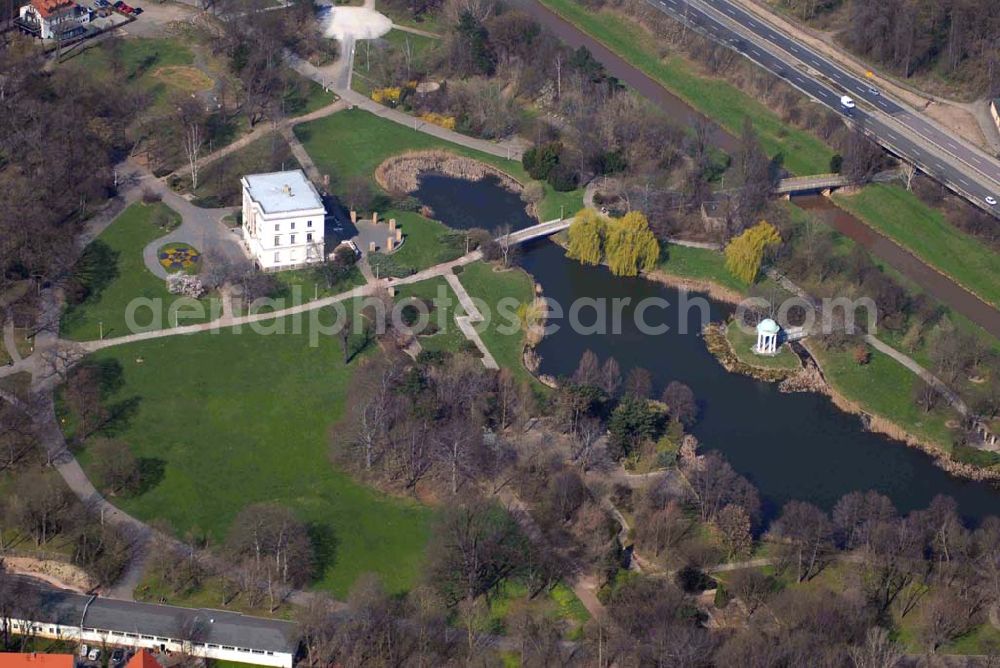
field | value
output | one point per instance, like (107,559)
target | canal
(791,446)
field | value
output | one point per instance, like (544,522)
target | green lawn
(803,153)
(126,237)
(742,343)
(447,336)
(312,285)
(901,216)
(306,96)
(143,61)
(558,603)
(423,246)
(355,142)
(227,419)
(514,287)
(883,387)
(699,264)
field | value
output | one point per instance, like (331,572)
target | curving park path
(201,228)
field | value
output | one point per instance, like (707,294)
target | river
(791,446)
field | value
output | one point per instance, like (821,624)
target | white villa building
(283,217)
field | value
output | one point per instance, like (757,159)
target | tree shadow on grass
(151,472)
(120,415)
(324,543)
(92,273)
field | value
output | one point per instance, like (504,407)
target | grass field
(699,264)
(126,237)
(515,287)
(355,142)
(899,215)
(422,246)
(306,96)
(803,154)
(558,603)
(742,342)
(437,291)
(883,387)
(161,66)
(228,419)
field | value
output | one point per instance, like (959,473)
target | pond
(463,204)
(791,446)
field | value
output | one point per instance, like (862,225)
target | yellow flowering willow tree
(586,237)
(630,246)
(745,253)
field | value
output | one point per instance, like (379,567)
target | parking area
(157,16)
(92,656)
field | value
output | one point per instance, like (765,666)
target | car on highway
(991,200)
(846,102)
(872,90)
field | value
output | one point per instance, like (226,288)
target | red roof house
(143,660)
(35,660)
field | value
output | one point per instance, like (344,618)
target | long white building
(283,218)
(103,622)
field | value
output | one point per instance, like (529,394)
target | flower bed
(177,257)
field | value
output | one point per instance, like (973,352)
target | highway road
(905,132)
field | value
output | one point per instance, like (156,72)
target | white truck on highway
(846,102)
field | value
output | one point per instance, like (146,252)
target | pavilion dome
(768,326)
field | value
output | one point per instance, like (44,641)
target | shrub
(150,196)
(539,161)
(693,580)
(563,178)
(533,193)
(185,284)
(861,354)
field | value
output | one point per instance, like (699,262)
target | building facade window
(277,241)
(277,257)
(277,227)
(293,224)
(309,224)
(293,239)
(309,237)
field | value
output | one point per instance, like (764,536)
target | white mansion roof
(283,192)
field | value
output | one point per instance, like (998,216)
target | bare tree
(680,401)
(193,141)
(506,243)
(877,651)
(909,171)
(116,466)
(753,587)
(804,534)
(274,548)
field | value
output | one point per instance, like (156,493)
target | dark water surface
(791,446)
(462,204)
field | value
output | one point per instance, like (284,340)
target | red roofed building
(34,660)
(51,19)
(143,660)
